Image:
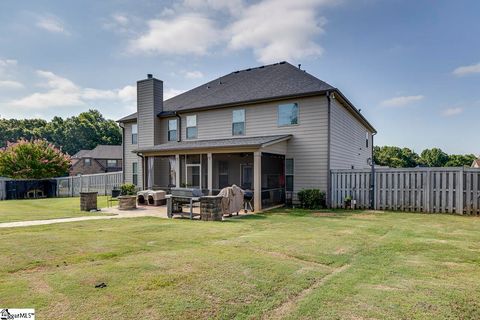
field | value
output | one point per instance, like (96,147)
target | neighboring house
(102,159)
(476,163)
(273,128)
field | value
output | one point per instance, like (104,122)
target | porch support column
(210,173)
(257,181)
(177,171)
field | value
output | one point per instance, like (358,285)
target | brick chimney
(149,105)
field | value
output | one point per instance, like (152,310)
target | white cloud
(52,24)
(62,92)
(185,34)
(128,93)
(170,93)
(452,111)
(466,70)
(401,101)
(280,29)
(7,63)
(10,84)
(121,19)
(233,6)
(195,74)
(274,29)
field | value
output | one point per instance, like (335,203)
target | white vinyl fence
(103,183)
(446,190)
(3,189)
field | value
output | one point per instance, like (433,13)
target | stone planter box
(127,202)
(88,201)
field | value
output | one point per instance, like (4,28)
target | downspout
(372,182)
(123,151)
(143,169)
(329,182)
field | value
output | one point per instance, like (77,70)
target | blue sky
(413,67)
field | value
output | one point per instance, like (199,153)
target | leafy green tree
(35,159)
(434,157)
(84,131)
(460,160)
(395,157)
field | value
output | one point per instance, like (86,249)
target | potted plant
(348,202)
(128,199)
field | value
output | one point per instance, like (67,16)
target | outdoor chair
(113,197)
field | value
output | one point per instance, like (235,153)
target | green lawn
(286,264)
(52,208)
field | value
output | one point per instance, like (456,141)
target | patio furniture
(113,197)
(181,196)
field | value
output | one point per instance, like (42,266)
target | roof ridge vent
(282,62)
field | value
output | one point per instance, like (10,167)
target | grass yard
(39,209)
(285,264)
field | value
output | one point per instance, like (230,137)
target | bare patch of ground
(288,306)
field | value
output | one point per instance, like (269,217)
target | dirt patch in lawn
(324,214)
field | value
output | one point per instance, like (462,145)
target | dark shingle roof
(101,152)
(216,143)
(249,85)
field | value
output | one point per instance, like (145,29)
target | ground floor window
(289,172)
(111,163)
(135,173)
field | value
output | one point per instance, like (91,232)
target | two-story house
(103,158)
(273,129)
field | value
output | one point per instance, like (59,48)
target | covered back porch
(255,164)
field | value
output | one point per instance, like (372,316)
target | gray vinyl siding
(131,157)
(308,146)
(348,147)
(149,104)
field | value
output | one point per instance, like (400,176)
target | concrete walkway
(160,212)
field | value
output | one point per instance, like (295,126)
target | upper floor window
(88,162)
(111,163)
(287,114)
(366,139)
(134,133)
(238,122)
(172,130)
(192,127)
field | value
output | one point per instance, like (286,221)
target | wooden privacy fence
(445,190)
(103,183)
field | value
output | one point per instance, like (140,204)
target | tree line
(71,135)
(396,157)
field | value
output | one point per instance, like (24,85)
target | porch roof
(244,142)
